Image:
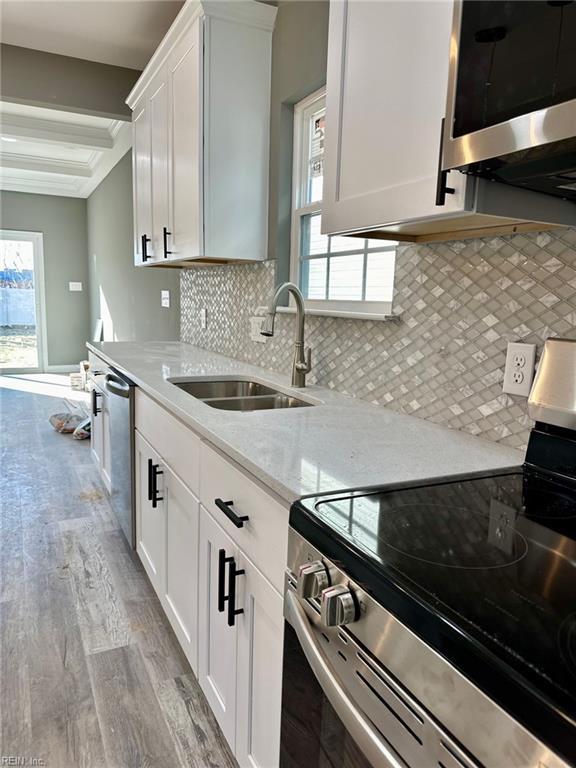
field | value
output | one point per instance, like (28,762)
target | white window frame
(37,240)
(366,310)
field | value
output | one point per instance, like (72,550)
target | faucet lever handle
(307,366)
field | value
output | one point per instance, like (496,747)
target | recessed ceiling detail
(51,152)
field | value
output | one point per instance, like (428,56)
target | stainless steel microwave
(511,100)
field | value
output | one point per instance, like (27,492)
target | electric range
(438,620)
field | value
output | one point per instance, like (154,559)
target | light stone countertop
(341,443)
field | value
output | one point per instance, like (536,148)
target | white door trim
(37,240)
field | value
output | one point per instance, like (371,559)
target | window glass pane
(381,244)
(313,242)
(380,276)
(316,156)
(346,273)
(339,243)
(313,278)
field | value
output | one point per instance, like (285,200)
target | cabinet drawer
(263,537)
(178,446)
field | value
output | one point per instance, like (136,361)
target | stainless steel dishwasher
(121,408)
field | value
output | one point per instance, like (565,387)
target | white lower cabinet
(180,594)
(217,641)
(206,561)
(240,644)
(167,519)
(259,673)
(150,512)
(100,435)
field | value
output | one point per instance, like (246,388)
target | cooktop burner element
(447,536)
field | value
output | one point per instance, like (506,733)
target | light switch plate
(74,286)
(203,318)
(255,328)
(519,369)
(165,297)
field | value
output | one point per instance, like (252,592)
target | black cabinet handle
(441,189)
(226,507)
(222,560)
(145,255)
(165,234)
(233,572)
(95,409)
(153,472)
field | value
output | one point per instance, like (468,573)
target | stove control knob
(312,579)
(338,606)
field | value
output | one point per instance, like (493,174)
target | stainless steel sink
(223,388)
(262,403)
(238,394)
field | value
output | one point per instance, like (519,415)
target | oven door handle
(358,726)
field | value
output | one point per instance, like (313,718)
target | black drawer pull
(226,507)
(153,472)
(95,409)
(231,598)
(222,560)
(145,241)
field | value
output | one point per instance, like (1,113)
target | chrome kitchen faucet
(302,362)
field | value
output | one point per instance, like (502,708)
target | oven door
(322,725)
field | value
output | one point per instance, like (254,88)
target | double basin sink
(238,394)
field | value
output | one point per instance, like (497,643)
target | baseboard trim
(62,369)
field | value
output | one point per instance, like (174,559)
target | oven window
(514,58)
(312,733)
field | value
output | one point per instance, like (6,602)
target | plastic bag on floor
(66,422)
(83,430)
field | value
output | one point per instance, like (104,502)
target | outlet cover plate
(165,298)
(519,369)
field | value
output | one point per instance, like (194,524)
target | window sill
(390,318)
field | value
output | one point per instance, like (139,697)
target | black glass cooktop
(484,569)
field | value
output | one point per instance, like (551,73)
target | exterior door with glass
(22,313)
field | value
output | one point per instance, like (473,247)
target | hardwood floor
(91,673)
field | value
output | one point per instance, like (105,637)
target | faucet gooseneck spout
(302,362)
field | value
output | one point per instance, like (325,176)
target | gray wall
(62,220)
(63,82)
(127,298)
(299,50)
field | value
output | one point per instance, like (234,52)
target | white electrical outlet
(255,328)
(74,286)
(203,318)
(165,298)
(519,370)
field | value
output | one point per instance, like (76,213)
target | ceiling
(51,152)
(120,32)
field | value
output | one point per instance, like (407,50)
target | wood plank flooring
(91,673)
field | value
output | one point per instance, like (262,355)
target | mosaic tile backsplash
(443,359)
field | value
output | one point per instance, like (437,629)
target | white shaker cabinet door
(385,100)
(186,145)
(260,646)
(217,641)
(180,598)
(142,181)
(150,513)
(158,105)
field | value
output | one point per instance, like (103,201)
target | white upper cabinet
(201,114)
(385,101)
(387,78)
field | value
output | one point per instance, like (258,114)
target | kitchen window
(340,276)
